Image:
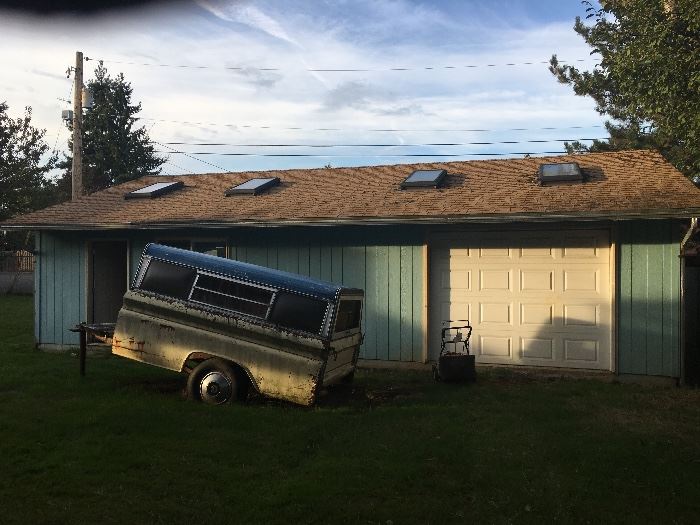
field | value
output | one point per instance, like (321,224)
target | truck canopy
(286,300)
(248,272)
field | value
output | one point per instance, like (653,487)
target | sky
(257,77)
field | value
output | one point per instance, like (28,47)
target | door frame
(89,292)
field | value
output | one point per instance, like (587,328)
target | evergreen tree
(23,183)
(648,78)
(114,149)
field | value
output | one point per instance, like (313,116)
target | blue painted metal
(248,272)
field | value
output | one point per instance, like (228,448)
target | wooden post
(77,168)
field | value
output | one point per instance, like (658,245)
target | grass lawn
(122,446)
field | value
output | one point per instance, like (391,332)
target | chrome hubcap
(215,388)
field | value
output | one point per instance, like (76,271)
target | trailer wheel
(214,382)
(348,379)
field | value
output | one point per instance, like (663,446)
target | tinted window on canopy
(298,312)
(168,279)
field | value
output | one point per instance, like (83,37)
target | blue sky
(257,85)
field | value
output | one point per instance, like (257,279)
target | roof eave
(365,221)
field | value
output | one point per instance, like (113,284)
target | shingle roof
(617,184)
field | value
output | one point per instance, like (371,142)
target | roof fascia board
(679,214)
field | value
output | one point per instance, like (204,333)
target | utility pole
(77,171)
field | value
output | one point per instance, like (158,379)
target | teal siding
(648,298)
(60,288)
(388,265)
(387,262)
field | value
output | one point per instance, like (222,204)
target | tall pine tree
(648,78)
(115,150)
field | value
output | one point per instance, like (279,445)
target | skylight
(154,190)
(569,171)
(253,186)
(424,179)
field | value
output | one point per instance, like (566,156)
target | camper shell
(232,325)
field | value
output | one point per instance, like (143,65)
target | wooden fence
(20,261)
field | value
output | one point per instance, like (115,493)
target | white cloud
(244,12)
(260,105)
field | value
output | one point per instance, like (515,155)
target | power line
(386,130)
(333,70)
(173,150)
(534,141)
(490,154)
(173,165)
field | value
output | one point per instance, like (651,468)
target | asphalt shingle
(627,183)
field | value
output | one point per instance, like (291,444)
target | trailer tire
(214,382)
(348,379)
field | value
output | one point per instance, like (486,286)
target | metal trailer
(232,325)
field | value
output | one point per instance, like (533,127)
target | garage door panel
(541,348)
(495,280)
(494,346)
(582,280)
(536,280)
(584,247)
(537,251)
(533,298)
(497,252)
(536,315)
(581,350)
(454,311)
(581,315)
(457,279)
(495,313)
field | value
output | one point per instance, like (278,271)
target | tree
(114,150)
(23,183)
(648,78)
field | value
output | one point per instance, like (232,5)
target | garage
(534,297)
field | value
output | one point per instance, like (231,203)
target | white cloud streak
(34,53)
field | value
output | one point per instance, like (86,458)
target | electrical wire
(490,154)
(186,155)
(430,144)
(171,163)
(332,70)
(384,130)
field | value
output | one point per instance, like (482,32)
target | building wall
(388,263)
(648,298)
(59,284)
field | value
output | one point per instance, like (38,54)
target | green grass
(122,446)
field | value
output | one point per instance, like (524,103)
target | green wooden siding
(648,298)
(388,265)
(59,288)
(386,262)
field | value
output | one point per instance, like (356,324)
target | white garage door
(539,298)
